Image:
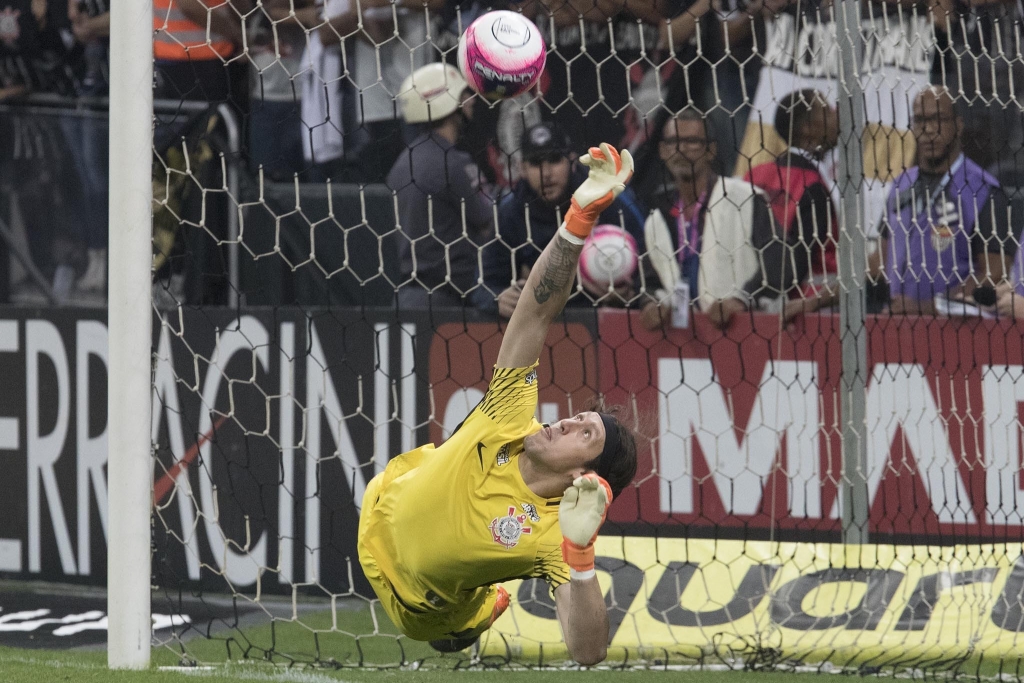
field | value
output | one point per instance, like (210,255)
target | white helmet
(431,93)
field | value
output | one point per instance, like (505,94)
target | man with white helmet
(444,214)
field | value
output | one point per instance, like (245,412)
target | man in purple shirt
(946,229)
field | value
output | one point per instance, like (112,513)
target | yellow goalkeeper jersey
(451,519)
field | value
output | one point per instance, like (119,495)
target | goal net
(309,327)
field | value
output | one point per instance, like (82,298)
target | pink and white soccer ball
(609,258)
(501,54)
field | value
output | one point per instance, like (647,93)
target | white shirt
(378,70)
(321,92)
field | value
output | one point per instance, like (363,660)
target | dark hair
(623,466)
(794,111)
(693,114)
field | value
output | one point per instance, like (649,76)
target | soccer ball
(608,258)
(501,55)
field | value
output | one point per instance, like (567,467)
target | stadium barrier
(755,570)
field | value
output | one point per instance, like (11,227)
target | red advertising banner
(462,357)
(744,425)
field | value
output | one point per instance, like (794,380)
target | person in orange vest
(191,62)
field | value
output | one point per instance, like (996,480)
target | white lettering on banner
(812,50)
(71,624)
(9,440)
(382,416)
(899,396)
(242,566)
(693,407)
(1003,390)
(90,340)
(166,405)
(322,396)
(28,621)
(10,548)
(43,338)
(286,496)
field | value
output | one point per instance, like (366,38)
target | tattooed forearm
(559,269)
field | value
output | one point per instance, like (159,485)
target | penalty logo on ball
(509,529)
(501,54)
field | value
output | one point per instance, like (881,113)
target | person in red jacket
(800,197)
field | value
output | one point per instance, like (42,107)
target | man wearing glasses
(709,238)
(946,229)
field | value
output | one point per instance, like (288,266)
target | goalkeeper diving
(506,497)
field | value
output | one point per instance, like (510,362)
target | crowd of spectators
(346,92)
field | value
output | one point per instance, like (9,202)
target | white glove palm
(583,508)
(609,172)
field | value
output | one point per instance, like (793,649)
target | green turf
(318,650)
(34,666)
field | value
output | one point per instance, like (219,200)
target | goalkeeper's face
(567,446)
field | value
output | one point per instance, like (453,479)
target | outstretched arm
(584,620)
(550,281)
(580,603)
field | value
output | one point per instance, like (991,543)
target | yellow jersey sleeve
(511,398)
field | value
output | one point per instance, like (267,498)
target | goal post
(130,316)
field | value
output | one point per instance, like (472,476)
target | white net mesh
(330,283)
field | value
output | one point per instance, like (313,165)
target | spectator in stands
(978,58)
(596,64)
(946,229)
(800,198)
(192,41)
(739,28)
(444,213)
(90,25)
(529,217)
(34,168)
(713,235)
(88,138)
(392,43)
(277,37)
(323,142)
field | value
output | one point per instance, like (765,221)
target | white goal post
(130,464)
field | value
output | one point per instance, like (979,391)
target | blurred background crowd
(261,102)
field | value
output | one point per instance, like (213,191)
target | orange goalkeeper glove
(609,173)
(580,516)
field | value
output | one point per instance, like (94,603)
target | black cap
(545,141)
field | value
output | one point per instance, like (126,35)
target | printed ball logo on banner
(501,55)
(609,257)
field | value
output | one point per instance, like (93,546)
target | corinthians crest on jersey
(509,529)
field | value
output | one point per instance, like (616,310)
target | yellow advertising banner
(685,600)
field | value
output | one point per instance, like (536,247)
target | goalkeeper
(506,497)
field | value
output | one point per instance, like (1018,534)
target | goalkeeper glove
(609,173)
(580,515)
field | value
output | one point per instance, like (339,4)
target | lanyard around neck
(943,182)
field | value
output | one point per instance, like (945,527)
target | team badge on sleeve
(531,377)
(503,456)
(531,511)
(507,530)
